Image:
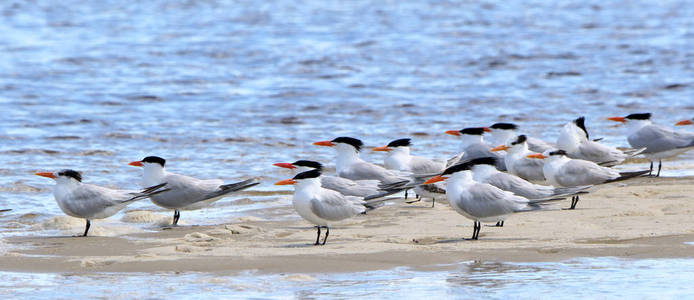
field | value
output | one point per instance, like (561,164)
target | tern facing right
(563,171)
(183,192)
(88,201)
(660,142)
(482,202)
(321,206)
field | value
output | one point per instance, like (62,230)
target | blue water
(585,278)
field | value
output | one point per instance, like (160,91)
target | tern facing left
(183,192)
(502,132)
(481,202)
(88,201)
(321,206)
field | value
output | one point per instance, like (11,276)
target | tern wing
(364,170)
(360,188)
(331,205)
(490,201)
(658,139)
(577,172)
(519,186)
(421,165)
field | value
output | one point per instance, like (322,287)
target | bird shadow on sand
(482,239)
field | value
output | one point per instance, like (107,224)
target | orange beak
(536,155)
(499,148)
(684,122)
(453,132)
(136,163)
(436,178)
(284,165)
(486,129)
(383,148)
(324,143)
(617,119)
(285,182)
(46,174)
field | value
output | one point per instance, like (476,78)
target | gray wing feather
(658,139)
(580,172)
(518,186)
(333,206)
(490,201)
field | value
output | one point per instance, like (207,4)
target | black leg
(476,230)
(433,201)
(574,201)
(651,170)
(327,232)
(177,215)
(317,236)
(416,196)
(660,165)
(406,194)
(86,229)
(500,224)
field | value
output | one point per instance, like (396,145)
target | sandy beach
(642,218)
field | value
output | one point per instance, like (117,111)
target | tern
(660,142)
(502,132)
(350,166)
(574,139)
(88,201)
(482,202)
(517,161)
(321,206)
(398,158)
(483,170)
(563,171)
(472,145)
(185,193)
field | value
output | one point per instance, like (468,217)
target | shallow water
(604,278)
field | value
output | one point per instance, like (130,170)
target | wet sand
(641,218)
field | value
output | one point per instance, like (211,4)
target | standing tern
(348,187)
(473,146)
(660,142)
(563,171)
(502,132)
(350,166)
(483,170)
(574,139)
(321,206)
(481,202)
(185,193)
(517,161)
(398,158)
(88,201)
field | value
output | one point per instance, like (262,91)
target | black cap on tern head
(309,164)
(581,123)
(154,159)
(400,143)
(473,131)
(457,168)
(520,139)
(506,126)
(557,152)
(71,173)
(356,143)
(639,116)
(315,173)
(482,161)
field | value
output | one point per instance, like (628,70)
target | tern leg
(317,236)
(651,170)
(177,215)
(406,194)
(327,232)
(500,224)
(86,228)
(660,165)
(433,201)
(476,230)
(574,201)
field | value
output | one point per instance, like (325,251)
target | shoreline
(641,218)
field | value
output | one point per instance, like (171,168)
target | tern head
(395,145)
(452,171)
(581,123)
(342,143)
(301,164)
(66,175)
(154,161)
(302,177)
(632,117)
(469,131)
(503,127)
(519,141)
(685,122)
(549,154)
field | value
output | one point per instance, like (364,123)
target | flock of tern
(484,182)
